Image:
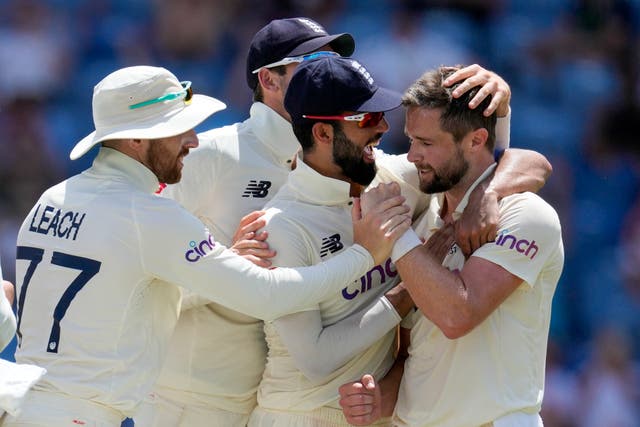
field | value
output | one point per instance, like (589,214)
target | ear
(322,133)
(137,146)
(479,138)
(268,81)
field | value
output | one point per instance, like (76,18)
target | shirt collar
(113,163)
(316,188)
(273,131)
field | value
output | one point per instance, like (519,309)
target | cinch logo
(258,189)
(330,244)
(528,248)
(388,271)
(198,250)
(314,26)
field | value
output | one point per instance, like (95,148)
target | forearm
(519,171)
(440,294)
(390,385)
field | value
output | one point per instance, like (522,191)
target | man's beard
(348,156)
(163,164)
(448,176)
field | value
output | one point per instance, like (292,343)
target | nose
(382,126)
(413,154)
(191,139)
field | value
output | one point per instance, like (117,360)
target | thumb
(369,382)
(356,211)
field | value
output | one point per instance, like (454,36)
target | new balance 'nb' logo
(257,189)
(331,244)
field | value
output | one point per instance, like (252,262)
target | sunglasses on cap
(186,93)
(365,120)
(297,59)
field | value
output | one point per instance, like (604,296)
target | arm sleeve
(176,247)
(320,350)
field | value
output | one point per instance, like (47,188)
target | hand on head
(491,84)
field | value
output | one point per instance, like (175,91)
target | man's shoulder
(530,211)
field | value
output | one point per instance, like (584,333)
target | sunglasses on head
(297,59)
(186,93)
(365,120)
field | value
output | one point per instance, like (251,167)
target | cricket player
(479,335)
(7,319)
(100,254)
(337,113)
(217,355)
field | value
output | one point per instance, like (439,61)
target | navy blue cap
(282,38)
(331,85)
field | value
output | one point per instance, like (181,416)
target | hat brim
(343,43)
(382,100)
(171,124)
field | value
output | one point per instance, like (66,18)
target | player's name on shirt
(53,221)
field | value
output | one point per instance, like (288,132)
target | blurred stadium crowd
(572,65)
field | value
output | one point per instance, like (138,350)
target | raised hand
(250,243)
(479,221)
(439,243)
(491,84)
(379,219)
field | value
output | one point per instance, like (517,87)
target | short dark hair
(456,118)
(258,96)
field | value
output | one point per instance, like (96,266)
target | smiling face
(164,157)
(440,160)
(353,149)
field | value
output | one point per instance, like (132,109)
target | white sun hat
(144,102)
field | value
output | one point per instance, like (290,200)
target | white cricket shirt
(97,260)
(309,221)
(498,367)
(217,353)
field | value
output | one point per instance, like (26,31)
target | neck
(278,107)
(454,195)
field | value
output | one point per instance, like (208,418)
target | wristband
(404,244)
(503,127)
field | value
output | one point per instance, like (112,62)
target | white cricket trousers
(321,417)
(46,409)
(160,411)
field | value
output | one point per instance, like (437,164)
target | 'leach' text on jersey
(53,221)
(258,189)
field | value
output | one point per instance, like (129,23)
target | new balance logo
(258,189)
(330,244)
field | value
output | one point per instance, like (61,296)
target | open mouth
(368,152)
